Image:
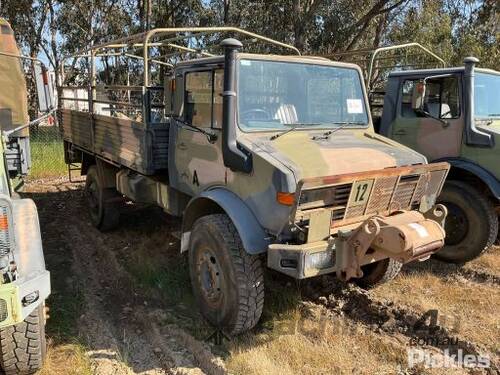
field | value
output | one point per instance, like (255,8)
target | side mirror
(418,96)
(44,88)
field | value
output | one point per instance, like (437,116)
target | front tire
(379,272)
(23,346)
(227,282)
(471,225)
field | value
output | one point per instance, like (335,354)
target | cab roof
(316,60)
(458,69)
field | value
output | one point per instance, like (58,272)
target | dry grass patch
(68,359)
(466,308)
(337,347)
(489,261)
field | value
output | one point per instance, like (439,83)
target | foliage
(452,28)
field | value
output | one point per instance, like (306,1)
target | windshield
(277,95)
(486,95)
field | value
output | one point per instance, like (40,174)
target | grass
(307,350)
(47,153)
(489,261)
(65,350)
(67,359)
(466,308)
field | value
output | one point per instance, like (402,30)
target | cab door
(438,132)
(198,159)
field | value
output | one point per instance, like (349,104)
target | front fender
(483,174)
(255,240)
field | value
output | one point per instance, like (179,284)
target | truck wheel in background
(23,346)
(379,272)
(103,210)
(471,225)
(227,282)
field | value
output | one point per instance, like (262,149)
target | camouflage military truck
(452,115)
(269,159)
(24,281)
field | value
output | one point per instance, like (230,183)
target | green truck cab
(24,281)
(453,115)
(268,159)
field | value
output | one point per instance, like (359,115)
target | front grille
(385,194)
(4,313)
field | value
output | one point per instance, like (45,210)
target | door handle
(400,132)
(181,146)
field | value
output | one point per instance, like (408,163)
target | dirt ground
(121,304)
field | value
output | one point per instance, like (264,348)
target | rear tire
(227,282)
(23,346)
(103,210)
(379,272)
(471,225)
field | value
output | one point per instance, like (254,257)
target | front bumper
(405,236)
(19,298)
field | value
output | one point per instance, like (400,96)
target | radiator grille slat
(381,195)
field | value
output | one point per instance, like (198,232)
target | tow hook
(405,236)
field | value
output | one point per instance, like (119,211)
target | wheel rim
(93,197)
(456,225)
(210,277)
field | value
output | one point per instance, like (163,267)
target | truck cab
(453,115)
(268,159)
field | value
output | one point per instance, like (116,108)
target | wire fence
(47,151)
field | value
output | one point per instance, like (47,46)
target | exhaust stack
(474,136)
(235,157)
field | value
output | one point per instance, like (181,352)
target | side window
(441,98)
(198,99)
(203,98)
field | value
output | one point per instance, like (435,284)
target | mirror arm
(427,114)
(211,137)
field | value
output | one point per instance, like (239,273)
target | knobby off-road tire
(379,272)
(23,346)
(103,210)
(227,282)
(471,225)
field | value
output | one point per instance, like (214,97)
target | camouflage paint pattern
(13,93)
(485,157)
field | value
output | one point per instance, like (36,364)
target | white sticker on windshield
(246,62)
(354,106)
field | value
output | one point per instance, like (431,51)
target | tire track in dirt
(124,336)
(460,273)
(477,276)
(383,316)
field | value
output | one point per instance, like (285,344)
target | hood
(345,151)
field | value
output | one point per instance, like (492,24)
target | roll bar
(374,53)
(145,41)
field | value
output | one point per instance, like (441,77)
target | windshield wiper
(342,125)
(293,127)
